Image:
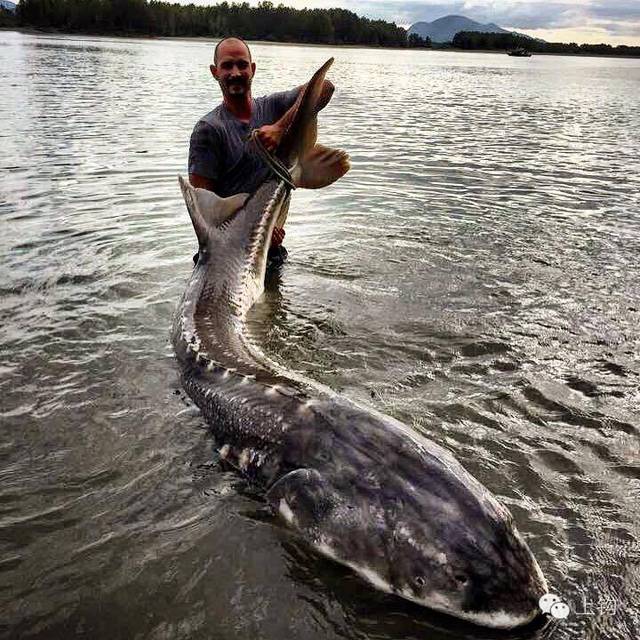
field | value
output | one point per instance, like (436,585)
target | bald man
(220,159)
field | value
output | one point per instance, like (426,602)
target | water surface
(475,275)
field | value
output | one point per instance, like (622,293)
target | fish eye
(419,581)
(460,578)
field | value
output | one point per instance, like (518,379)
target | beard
(237,86)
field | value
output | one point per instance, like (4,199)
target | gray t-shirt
(219,149)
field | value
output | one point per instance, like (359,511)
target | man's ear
(253,69)
(214,70)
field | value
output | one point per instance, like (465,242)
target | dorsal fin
(207,209)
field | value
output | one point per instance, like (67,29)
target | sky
(610,21)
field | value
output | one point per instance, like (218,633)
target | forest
(263,22)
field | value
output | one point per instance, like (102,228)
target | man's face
(233,69)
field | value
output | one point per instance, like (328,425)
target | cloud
(525,15)
(615,17)
(616,10)
(529,15)
(627,29)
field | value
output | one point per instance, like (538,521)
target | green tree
(415,40)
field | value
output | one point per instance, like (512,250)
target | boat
(520,53)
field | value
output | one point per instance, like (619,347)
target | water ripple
(475,274)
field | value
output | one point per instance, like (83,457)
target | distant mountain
(443,29)
(5,4)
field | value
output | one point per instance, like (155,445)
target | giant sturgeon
(363,488)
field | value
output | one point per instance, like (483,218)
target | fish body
(361,487)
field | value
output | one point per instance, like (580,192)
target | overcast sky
(612,21)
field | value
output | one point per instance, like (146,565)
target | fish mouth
(498,619)
(502,620)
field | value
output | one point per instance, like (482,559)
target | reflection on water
(475,275)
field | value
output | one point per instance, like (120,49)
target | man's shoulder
(212,120)
(279,96)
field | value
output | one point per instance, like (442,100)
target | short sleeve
(205,152)
(282,101)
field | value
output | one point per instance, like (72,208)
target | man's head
(233,68)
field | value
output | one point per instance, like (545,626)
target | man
(220,158)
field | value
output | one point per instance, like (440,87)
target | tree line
(474,40)
(263,22)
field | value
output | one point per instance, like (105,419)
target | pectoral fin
(301,497)
(320,167)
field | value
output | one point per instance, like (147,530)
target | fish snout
(482,573)
(505,586)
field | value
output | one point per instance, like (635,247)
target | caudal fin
(300,136)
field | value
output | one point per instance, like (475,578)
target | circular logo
(554,605)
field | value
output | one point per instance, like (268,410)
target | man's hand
(270,135)
(277,237)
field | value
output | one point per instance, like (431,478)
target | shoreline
(212,39)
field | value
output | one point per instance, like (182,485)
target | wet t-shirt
(219,149)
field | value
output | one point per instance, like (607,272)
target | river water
(475,274)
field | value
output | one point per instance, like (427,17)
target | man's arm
(271,134)
(204,158)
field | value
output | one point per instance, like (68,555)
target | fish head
(473,566)
(464,559)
